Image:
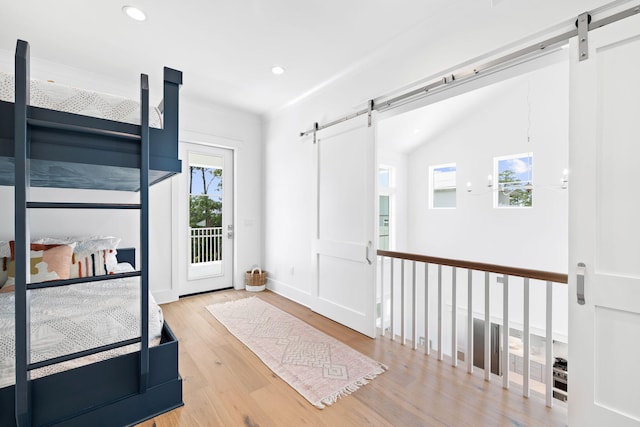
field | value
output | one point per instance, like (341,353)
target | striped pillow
(96,263)
(4,270)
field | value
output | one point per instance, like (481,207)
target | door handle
(580,271)
(367,254)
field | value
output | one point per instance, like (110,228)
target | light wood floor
(225,384)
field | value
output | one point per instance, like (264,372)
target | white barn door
(344,248)
(604,218)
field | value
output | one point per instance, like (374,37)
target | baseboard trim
(289,292)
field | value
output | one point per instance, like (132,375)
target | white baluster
(526,340)
(402,318)
(454,317)
(549,338)
(414,323)
(487,327)
(392,306)
(440,350)
(469,355)
(427,349)
(505,331)
(382,296)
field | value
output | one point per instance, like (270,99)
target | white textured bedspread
(69,319)
(54,96)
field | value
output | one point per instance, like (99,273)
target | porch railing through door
(422,302)
(206,244)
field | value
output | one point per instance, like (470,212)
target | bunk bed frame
(40,147)
(73,151)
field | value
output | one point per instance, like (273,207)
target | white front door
(344,248)
(604,234)
(206,199)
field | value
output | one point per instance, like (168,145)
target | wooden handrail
(479,266)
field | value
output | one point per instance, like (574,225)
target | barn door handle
(580,286)
(367,254)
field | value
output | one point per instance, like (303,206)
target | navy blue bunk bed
(38,147)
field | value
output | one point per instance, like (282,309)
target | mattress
(54,96)
(74,318)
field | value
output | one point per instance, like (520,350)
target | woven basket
(255,280)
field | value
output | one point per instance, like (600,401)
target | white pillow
(87,245)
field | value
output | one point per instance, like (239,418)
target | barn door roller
(371,105)
(584,19)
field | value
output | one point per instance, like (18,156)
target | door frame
(179,270)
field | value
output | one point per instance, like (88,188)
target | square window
(443,186)
(515,181)
(384,178)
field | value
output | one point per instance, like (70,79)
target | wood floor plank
(225,384)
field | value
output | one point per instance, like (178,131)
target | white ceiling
(226,48)
(403,133)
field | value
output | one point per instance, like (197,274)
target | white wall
(524,114)
(410,57)
(198,121)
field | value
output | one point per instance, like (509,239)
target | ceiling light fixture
(277,70)
(134,13)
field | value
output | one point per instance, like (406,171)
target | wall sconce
(564,181)
(528,187)
(489,181)
(468,186)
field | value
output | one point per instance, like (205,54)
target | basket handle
(256,268)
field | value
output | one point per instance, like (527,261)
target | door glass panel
(384,223)
(385,191)
(205,208)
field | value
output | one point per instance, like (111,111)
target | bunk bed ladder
(23,402)
(21,248)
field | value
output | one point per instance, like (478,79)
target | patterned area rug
(319,367)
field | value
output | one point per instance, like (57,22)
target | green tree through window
(515,184)
(205,204)
(205,214)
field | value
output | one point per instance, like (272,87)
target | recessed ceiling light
(134,13)
(277,70)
